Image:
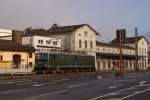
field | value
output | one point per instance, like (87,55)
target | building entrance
(16,61)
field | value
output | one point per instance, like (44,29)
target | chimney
(121,34)
(54,25)
(17,36)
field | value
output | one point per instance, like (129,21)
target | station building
(73,39)
(82,39)
(108,54)
(70,46)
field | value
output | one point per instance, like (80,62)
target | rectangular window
(30,54)
(109,64)
(55,43)
(104,64)
(39,41)
(47,42)
(142,51)
(1,58)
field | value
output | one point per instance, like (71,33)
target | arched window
(80,44)
(85,43)
(91,44)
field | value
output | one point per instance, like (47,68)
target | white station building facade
(82,39)
(43,44)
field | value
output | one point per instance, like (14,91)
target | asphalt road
(134,86)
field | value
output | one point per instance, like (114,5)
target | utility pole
(120,39)
(120,47)
(136,49)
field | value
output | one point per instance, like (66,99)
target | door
(98,65)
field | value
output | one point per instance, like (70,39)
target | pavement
(133,86)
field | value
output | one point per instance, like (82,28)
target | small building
(43,44)
(16,58)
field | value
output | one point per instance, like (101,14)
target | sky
(104,15)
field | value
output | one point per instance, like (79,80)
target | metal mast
(136,49)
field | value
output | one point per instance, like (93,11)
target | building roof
(8,45)
(130,40)
(32,32)
(5,36)
(5,31)
(112,45)
(66,29)
(57,29)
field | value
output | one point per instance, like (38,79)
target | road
(134,86)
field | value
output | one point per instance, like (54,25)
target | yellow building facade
(16,58)
(7,59)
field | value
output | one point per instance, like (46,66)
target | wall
(8,57)
(80,35)
(34,41)
(26,40)
(115,50)
(66,40)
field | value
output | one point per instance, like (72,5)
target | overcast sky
(104,15)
